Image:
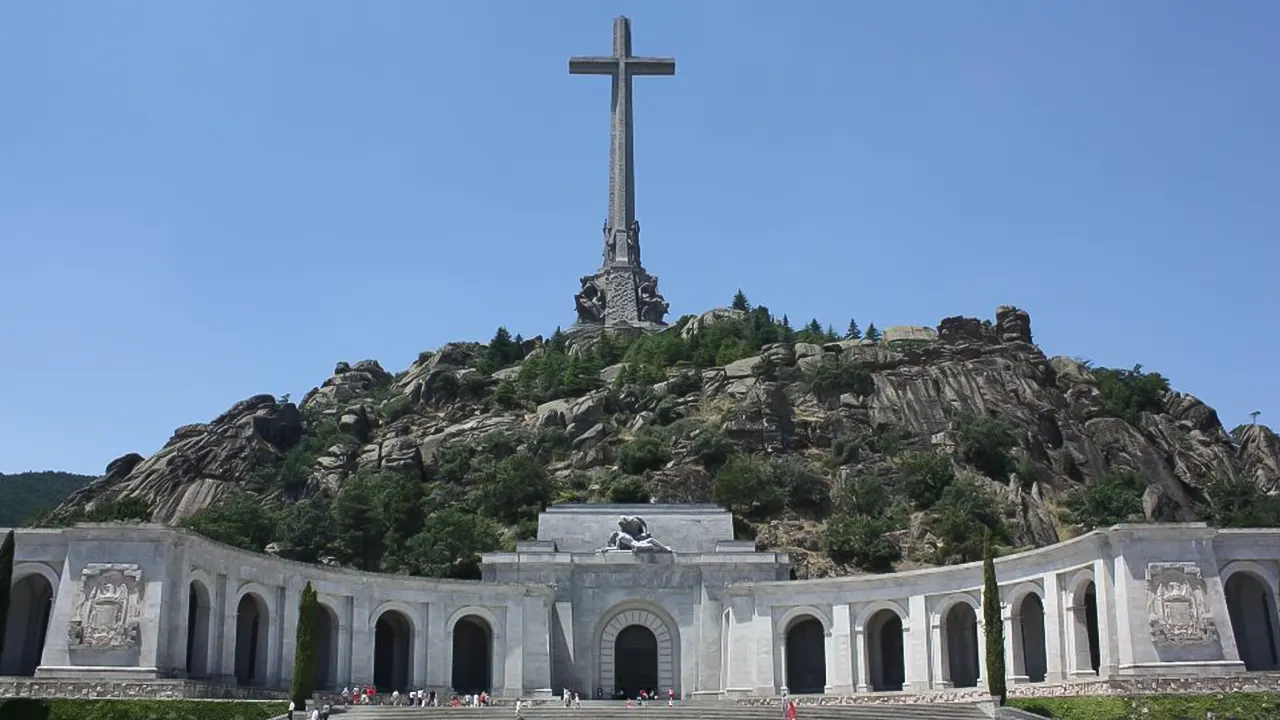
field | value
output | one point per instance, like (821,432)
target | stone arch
(803,637)
(661,663)
(882,625)
(327,628)
(393,633)
(34,588)
(1082,608)
(958,617)
(1251,607)
(1030,653)
(474,639)
(253,625)
(199,626)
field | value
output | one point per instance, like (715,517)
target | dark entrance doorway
(806,657)
(635,660)
(472,656)
(392,643)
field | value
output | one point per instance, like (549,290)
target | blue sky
(200,201)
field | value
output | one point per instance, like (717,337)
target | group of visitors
(413,698)
(571,699)
(320,712)
(648,695)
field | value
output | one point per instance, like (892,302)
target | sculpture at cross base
(589,302)
(633,536)
(653,307)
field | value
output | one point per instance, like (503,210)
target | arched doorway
(635,661)
(960,644)
(252,623)
(472,655)
(806,656)
(326,648)
(30,604)
(198,607)
(1084,614)
(1252,610)
(612,677)
(1030,657)
(392,651)
(886,663)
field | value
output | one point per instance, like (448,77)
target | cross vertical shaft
(622,241)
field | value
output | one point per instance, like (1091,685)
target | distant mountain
(25,494)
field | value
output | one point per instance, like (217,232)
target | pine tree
(872,333)
(6,580)
(786,324)
(740,301)
(992,624)
(831,333)
(854,332)
(304,659)
(814,328)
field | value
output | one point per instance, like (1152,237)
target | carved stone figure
(590,302)
(610,245)
(633,243)
(108,606)
(633,535)
(1178,605)
(653,307)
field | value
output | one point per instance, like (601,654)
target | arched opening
(326,649)
(30,604)
(1030,657)
(252,622)
(886,664)
(1252,611)
(960,645)
(198,608)
(806,656)
(635,661)
(1088,652)
(472,655)
(392,652)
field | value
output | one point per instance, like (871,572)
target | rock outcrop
(920,381)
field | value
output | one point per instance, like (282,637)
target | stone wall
(146,689)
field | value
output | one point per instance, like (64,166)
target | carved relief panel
(107,607)
(1178,605)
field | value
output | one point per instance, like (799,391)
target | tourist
(577,702)
(518,707)
(346,696)
(315,714)
(395,698)
(290,710)
(791,710)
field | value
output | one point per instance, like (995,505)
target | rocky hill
(853,452)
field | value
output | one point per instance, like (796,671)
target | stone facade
(676,603)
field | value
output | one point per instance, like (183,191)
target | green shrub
(238,519)
(925,475)
(66,709)
(644,453)
(832,377)
(806,489)
(985,442)
(846,450)
(712,448)
(1112,497)
(1237,706)
(628,489)
(1238,502)
(963,516)
(862,540)
(745,485)
(1126,394)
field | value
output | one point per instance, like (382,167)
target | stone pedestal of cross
(621,293)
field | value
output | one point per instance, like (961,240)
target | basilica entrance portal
(637,651)
(636,660)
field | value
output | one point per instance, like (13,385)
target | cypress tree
(6,582)
(992,623)
(304,658)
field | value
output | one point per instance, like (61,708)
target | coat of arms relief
(1178,605)
(107,607)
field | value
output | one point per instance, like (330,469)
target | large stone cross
(622,233)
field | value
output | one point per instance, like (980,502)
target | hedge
(60,709)
(1236,706)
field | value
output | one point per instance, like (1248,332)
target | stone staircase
(700,710)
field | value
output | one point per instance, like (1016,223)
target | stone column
(762,630)
(1012,647)
(710,618)
(915,645)
(419,663)
(229,626)
(1117,612)
(982,648)
(861,664)
(1106,625)
(346,625)
(936,641)
(438,640)
(362,639)
(535,653)
(217,630)
(839,669)
(511,649)
(290,595)
(1053,635)
(780,679)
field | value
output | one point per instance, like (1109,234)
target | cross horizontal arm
(593,66)
(651,66)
